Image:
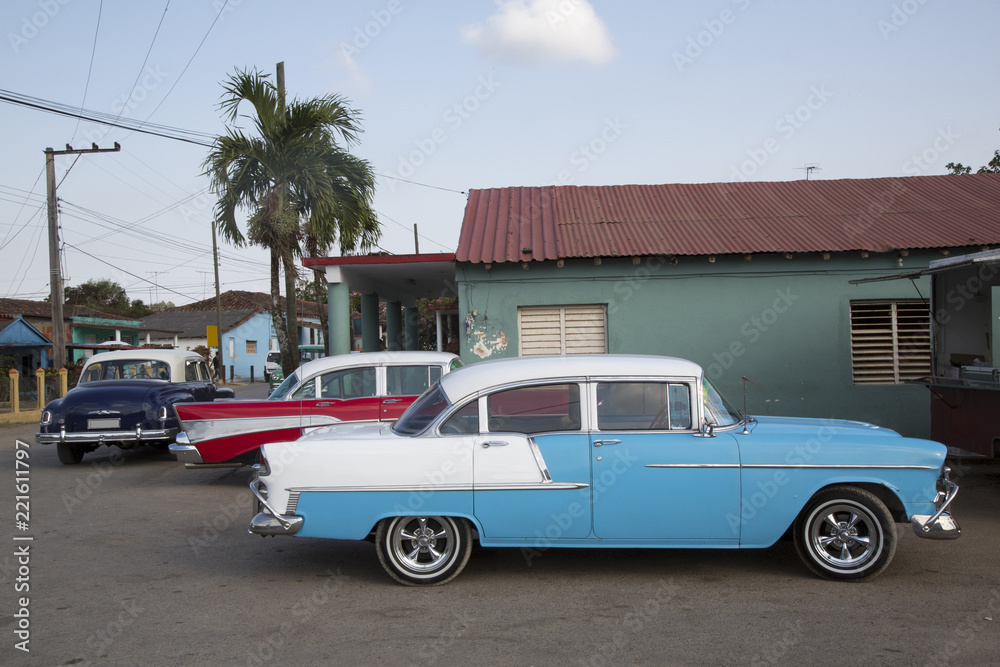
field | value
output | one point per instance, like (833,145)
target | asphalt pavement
(133,559)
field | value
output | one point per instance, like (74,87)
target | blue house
(25,343)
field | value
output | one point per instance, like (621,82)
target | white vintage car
(601,451)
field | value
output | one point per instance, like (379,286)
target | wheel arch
(888,496)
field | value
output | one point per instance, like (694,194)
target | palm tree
(297,181)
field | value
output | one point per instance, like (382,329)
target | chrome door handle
(391,400)
(598,443)
(494,443)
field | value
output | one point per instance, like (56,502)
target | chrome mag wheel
(423,549)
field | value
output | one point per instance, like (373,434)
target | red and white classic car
(368,387)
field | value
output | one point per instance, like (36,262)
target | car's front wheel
(423,550)
(845,533)
(68,454)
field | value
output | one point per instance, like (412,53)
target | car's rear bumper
(184,450)
(268,521)
(106,437)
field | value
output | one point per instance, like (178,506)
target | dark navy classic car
(125,398)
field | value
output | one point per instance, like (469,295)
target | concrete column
(338,305)
(393,325)
(369,323)
(40,384)
(411,317)
(437,328)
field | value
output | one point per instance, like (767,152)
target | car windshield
(126,369)
(718,409)
(285,387)
(274,357)
(423,411)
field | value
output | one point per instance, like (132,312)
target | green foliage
(294,178)
(106,296)
(991,167)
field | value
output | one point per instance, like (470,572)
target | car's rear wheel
(68,454)
(423,550)
(845,533)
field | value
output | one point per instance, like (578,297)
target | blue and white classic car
(601,451)
(126,398)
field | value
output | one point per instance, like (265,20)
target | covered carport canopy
(399,280)
(964,305)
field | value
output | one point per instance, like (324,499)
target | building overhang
(403,278)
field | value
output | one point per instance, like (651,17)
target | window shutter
(563,330)
(890,341)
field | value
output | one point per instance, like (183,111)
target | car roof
(171,356)
(485,375)
(384,358)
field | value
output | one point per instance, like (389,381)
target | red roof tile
(878,214)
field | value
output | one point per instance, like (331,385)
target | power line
(90,69)
(128,272)
(145,60)
(423,185)
(190,60)
(167,132)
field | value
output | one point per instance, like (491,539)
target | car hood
(810,426)
(832,442)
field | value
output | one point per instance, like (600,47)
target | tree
(296,180)
(991,167)
(106,296)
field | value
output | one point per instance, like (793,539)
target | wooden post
(15,400)
(40,383)
(63,382)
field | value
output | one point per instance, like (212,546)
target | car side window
(191,371)
(410,380)
(350,383)
(464,421)
(534,409)
(306,391)
(638,406)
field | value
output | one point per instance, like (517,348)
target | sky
(456,96)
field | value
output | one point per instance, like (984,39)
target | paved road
(136,560)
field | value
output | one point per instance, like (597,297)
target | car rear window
(126,369)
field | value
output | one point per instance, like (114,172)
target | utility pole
(55,269)
(218,298)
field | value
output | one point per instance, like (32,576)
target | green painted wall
(785,324)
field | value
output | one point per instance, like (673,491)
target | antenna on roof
(810,168)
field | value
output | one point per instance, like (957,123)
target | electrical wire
(90,69)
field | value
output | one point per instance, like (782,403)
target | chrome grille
(293,502)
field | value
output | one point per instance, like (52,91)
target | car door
(531,468)
(654,476)
(349,394)
(198,380)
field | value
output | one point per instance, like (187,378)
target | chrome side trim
(693,465)
(540,461)
(842,466)
(200,430)
(849,466)
(500,486)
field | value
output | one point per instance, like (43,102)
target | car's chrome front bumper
(269,521)
(941,525)
(105,437)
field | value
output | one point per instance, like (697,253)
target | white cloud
(542,32)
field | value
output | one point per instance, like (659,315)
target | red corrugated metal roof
(878,214)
